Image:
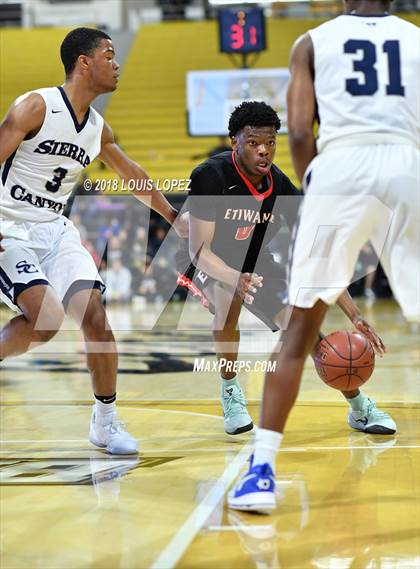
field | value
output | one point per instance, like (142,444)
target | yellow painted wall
(147,112)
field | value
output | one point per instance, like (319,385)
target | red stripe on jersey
(257,195)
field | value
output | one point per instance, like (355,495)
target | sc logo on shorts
(25,267)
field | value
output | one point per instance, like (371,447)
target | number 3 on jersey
(54,184)
(366,65)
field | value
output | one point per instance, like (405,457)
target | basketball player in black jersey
(238,202)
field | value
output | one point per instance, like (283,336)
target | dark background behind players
(104,218)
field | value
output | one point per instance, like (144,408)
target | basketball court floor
(345,499)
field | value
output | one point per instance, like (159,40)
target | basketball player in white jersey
(358,75)
(46,139)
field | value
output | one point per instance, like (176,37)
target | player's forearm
(215,267)
(347,305)
(303,149)
(157,201)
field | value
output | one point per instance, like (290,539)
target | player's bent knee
(42,309)
(48,322)
(95,324)
(45,335)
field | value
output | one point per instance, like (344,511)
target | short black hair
(252,113)
(81,41)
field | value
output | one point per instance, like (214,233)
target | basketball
(344,360)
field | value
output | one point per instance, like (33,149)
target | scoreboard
(241,30)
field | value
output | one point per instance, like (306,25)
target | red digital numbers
(241,30)
(253,35)
(237,36)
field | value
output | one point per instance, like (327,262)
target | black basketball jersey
(246,219)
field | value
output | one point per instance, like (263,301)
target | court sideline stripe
(176,548)
(198,449)
(146,403)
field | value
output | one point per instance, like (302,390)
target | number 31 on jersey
(367,66)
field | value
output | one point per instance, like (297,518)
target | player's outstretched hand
(366,329)
(247,286)
(1,248)
(181,225)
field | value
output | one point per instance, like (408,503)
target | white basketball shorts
(355,194)
(44,253)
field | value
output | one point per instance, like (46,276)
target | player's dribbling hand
(1,248)
(366,329)
(247,286)
(181,225)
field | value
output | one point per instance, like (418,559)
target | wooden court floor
(345,499)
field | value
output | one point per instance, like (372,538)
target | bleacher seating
(154,130)
(148,111)
(29,59)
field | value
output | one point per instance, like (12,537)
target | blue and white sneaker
(255,491)
(235,414)
(371,419)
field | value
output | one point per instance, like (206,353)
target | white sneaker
(371,419)
(111,435)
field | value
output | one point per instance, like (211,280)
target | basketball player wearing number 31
(46,139)
(359,74)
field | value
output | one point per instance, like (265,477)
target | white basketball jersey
(366,78)
(39,177)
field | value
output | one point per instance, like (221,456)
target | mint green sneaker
(371,420)
(235,414)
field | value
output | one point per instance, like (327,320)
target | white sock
(267,444)
(357,402)
(104,411)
